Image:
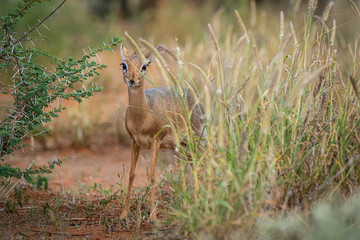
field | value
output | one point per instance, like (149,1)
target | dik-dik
(148,115)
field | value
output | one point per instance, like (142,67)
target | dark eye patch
(124,66)
(143,68)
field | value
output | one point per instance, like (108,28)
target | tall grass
(282,125)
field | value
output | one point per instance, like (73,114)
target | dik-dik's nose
(132,81)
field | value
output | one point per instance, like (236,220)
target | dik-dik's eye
(143,68)
(124,66)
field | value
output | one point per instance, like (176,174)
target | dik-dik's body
(148,116)
(149,111)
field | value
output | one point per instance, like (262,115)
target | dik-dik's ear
(124,53)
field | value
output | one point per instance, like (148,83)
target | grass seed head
(327,11)
(333,32)
(213,38)
(242,25)
(281,35)
(135,47)
(312,5)
(293,33)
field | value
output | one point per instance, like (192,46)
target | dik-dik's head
(134,69)
(135,66)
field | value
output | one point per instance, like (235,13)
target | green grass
(282,124)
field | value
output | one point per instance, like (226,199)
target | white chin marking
(133,88)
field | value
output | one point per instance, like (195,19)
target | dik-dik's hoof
(124,214)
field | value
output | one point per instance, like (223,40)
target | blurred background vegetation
(85,23)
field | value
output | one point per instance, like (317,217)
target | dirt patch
(47,214)
(84,198)
(83,168)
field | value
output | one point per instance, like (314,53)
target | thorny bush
(35,89)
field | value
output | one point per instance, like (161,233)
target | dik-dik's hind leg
(135,149)
(155,147)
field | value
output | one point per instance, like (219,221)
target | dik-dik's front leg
(135,149)
(155,147)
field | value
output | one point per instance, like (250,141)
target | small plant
(20,196)
(11,207)
(46,208)
(89,209)
(106,201)
(108,223)
(108,193)
(42,183)
(102,190)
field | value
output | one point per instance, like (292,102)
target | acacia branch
(41,22)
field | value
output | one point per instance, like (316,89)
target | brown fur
(147,121)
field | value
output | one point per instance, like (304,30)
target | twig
(26,7)
(66,195)
(75,219)
(61,184)
(62,233)
(23,208)
(152,211)
(37,25)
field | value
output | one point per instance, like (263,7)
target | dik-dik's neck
(137,100)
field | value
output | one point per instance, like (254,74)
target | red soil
(71,182)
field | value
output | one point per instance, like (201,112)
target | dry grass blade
(354,85)
(175,81)
(242,25)
(293,33)
(171,53)
(200,70)
(135,47)
(354,7)
(213,38)
(253,13)
(256,53)
(155,51)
